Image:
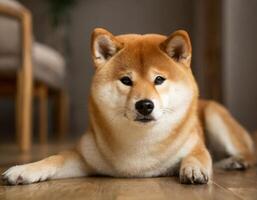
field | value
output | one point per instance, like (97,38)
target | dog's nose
(144,107)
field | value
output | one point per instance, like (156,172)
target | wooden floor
(225,185)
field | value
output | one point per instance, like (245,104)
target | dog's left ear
(103,46)
(178,47)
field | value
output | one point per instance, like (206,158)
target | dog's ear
(178,47)
(103,46)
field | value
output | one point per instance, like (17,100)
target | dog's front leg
(64,165)
(196,168)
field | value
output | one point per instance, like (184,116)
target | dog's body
(145,118)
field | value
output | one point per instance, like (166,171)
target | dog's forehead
(135,39)
(142,52)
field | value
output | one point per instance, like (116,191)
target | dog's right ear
(103,46)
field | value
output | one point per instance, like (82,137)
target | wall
(240,59)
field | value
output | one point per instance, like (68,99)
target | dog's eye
(159,80)
(126,81)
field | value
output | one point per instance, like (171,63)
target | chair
(29,69)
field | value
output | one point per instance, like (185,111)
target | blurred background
(223,34)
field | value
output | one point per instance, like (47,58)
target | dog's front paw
(22,174)
(193,174)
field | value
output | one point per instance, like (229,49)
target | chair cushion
(10,33)
(12,3)
(48,65)
(10,29)
(9,63)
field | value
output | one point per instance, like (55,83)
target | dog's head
(142,78)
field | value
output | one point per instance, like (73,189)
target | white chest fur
(137,155)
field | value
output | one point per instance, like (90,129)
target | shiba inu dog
(145,118)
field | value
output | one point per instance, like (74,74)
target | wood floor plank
(113,188)
(242,183)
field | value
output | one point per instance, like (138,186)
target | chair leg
(17,109)
(62,105)
(43,113)
(24,110)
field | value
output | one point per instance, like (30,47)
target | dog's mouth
(144,119)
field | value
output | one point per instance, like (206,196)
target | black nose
(144,107)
